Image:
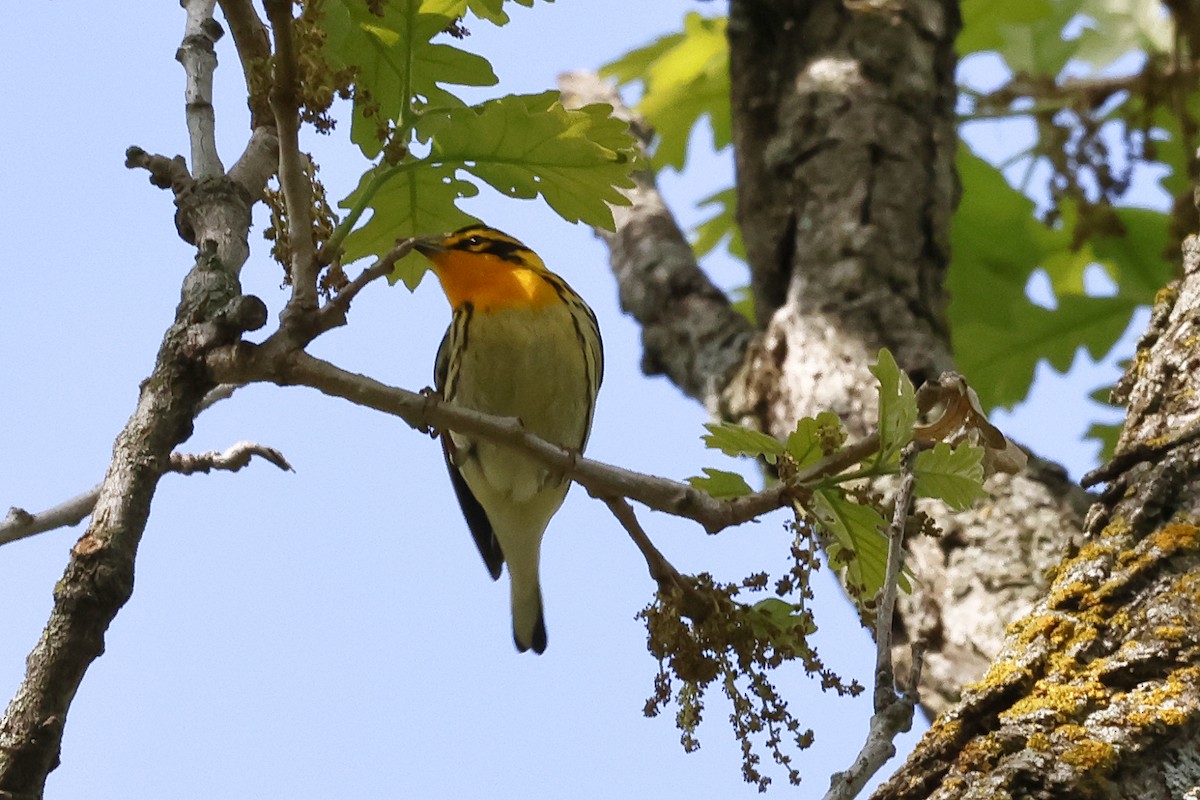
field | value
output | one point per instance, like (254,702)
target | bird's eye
(474,240)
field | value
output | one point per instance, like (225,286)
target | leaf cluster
(849,519)
(400,63)
(704,633)
(1096,119)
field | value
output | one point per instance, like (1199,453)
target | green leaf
(721,484)
(779,617)
(815,438)
(1136,260)
(1114,28)
(493,10)
(396,62)
(952,475)
(720,227)
(999,335)
(1037,45)
(742,300)
(530,145)
(1107,435)
(415,199)
(686,77)
(897,404)
(986,22)
(1000,362)
(858,546)
(734,440)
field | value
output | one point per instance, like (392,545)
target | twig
(232,459)
(199,60)
(254,51)
(293,178)
(165,173)
(21,524)
(893,714)
(222,392)
(333,313)
(661,570)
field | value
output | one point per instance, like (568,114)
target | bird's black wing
(476,517)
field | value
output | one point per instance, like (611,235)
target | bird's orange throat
(489,283)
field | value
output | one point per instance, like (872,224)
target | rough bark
(99,576)
(1096,692)
(845,141)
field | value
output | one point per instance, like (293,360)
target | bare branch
(20,524)
(199,60)
(258,162)
(690,331)
(98,579)
(232,459)
(273,361)
(222,392)
(661,570)
(333,313)
(165,173)
(893,714)
(293,177)
(254,51)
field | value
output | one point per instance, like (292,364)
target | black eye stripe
(492,243)
(506,251)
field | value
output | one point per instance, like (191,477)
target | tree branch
(273,361)
(98,579)
(231,459)
(165,173)
(893,714)
(333,313)
(254,51)
(20,524)
(199,60)
(258,162)
(293,177)
(690,331)
(661,570)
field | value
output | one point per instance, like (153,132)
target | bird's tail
(529,624)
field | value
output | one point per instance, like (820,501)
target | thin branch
(293,177)
(21,524)
(254,51)
(165,173)
(661,570)
(258,162)
(232,459)
(273,361)
(222,392)
(893,714)
(199,59)
(333,313)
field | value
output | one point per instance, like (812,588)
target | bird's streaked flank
(521,344)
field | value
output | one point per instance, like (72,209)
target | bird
(521,343)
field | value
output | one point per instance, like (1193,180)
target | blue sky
(333,633)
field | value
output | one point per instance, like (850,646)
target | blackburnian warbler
(521,344)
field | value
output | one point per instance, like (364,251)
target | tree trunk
(1096,692)
(845,140)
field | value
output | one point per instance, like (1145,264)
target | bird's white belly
(511,368)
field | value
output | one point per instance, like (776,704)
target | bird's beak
(430,245)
